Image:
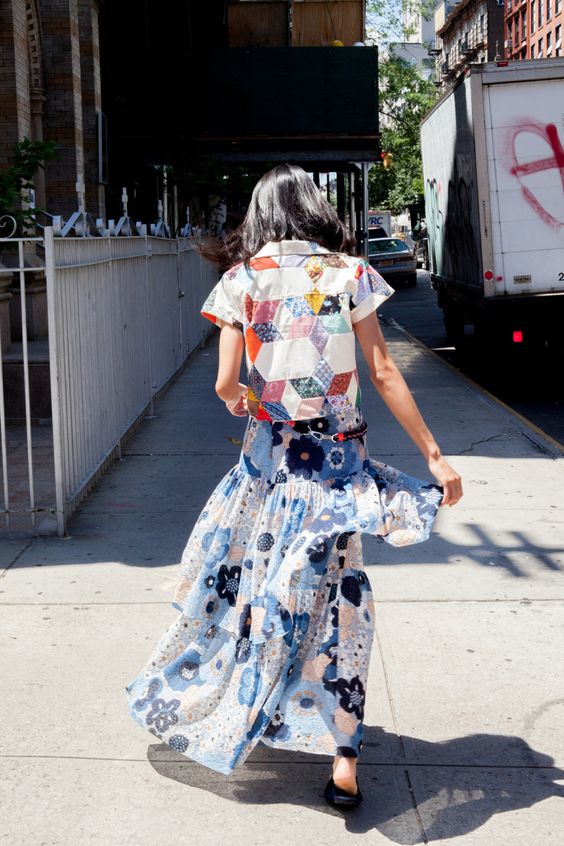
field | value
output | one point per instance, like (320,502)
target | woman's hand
(448,479)
(237,405)
(391,386)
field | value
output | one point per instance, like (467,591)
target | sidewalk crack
(481,441)
(390,697)
(422,833)
(17,557)
(415,808)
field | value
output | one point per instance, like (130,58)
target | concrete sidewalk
(464,740)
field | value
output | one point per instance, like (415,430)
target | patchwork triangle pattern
(267,332)
(307,387)
(334,323)
(305,331)
(340,384)
(263,263)
(298,306)
(256,382)
(314,268)
(252,342)
(319,336)
(323,374)
(315,300)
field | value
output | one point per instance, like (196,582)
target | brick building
(470,31)
(50,89)
(533,29)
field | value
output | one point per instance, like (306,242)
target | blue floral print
(248,686)
(274,631)
(216,545)
(228,583)
(153,688)
(184,671)
(304,457)
(162,714)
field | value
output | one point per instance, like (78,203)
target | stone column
(88,14)
(15,116)
(63,106)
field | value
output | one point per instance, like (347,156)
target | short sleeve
(370,291)
(224,303)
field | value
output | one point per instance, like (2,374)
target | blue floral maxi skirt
(276,617)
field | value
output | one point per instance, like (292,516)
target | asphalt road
(539,397)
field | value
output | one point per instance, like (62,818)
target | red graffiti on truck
(554,161)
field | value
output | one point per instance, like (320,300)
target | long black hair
(285,205)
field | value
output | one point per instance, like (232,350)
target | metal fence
(123,315)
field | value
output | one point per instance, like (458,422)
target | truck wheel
(411,280)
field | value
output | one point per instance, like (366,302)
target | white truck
(493,162)
(377,220)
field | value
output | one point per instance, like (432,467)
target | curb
(530,430)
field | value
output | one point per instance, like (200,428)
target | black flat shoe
(339,798)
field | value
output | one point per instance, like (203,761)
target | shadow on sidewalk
(476,777)
(152,541)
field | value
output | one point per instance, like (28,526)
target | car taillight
(517,336)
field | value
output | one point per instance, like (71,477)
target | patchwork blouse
(296,303)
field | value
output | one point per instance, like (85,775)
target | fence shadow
(472,781)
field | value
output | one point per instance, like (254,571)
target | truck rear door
(524,124)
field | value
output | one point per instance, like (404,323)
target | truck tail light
(517,336)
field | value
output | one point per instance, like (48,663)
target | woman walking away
(273,638)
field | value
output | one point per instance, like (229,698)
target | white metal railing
(18,267)
(123,315)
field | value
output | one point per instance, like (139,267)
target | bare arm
(227,386)
(391,386)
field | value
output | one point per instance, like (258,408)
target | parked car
(377,232)
(393,259)
(422,253)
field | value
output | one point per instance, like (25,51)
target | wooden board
(317,24)
(263,24)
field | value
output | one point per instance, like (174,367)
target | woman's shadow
(456,785)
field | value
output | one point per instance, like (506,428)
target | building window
(549,10)
(541,47)
(541,18)
(533,14)
(548,44)
(482,24)
(558,40)
(523,24)
(557,7)
(532,51)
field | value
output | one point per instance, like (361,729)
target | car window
(387,245)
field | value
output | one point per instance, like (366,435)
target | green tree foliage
(405,98)
(27,159)
(395,20)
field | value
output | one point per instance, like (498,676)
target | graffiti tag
(554,161)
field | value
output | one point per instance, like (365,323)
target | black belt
(338,437)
